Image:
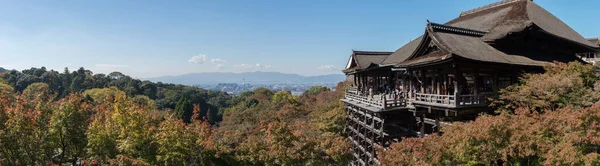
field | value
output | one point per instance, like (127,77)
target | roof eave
(571,41)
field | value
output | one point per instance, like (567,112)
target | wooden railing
(473,100)
(591,59)
(451,101)
(382,101)
(435,99)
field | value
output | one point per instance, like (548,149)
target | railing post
(456,99)
(384,102)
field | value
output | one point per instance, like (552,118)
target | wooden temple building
(448,73)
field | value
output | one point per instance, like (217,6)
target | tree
(123,128)
(209,116)
(561,85)
(184,144)
(314,90)
(184,109)
(174,142)
(102,134)
(149,89)
(68,127)
(102,95)
(283,97)
(38,90)
(66,82)
(116,75)
(24,131)
(24,81)
(5,88)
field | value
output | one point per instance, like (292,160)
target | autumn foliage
(547,119)
(282,129)
(108,127)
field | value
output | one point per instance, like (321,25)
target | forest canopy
(48,117)
(98,86)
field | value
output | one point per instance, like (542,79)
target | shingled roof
(403,52)
(487,24)
(455,42)
(505,17)
(594,40)
(363,59)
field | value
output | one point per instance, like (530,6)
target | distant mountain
(2,70)
(249,77)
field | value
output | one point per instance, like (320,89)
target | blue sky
(148,38)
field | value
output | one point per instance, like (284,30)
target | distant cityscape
(237,88)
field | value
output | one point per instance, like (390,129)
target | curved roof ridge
(371,52)
(458,30)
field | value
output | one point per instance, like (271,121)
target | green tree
(68,127)
(66,82)
(184,109)
(314,90)
(5,88)
(284,97)
(38,90)
(102,95)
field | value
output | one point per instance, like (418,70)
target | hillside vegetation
(117,120)
(163,95)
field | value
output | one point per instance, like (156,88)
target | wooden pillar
(438,80)
(365,82)
(437,122)
(402,80)
(458,83)
(422,130)
(360,84)
(396,79)
(372,133)
(377,85)
(410,84)
(476,79)
(422,81)
(433,76)
(355,82)
(381,128)
(495,81)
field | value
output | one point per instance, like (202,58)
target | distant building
(591,57)
(448,73)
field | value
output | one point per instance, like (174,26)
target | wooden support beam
(458,83)
(495,81)
(437,123)
(422,130)
(410,84)
(422,81)
(476,81)
(438,81)
(355,83)
(433,75)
